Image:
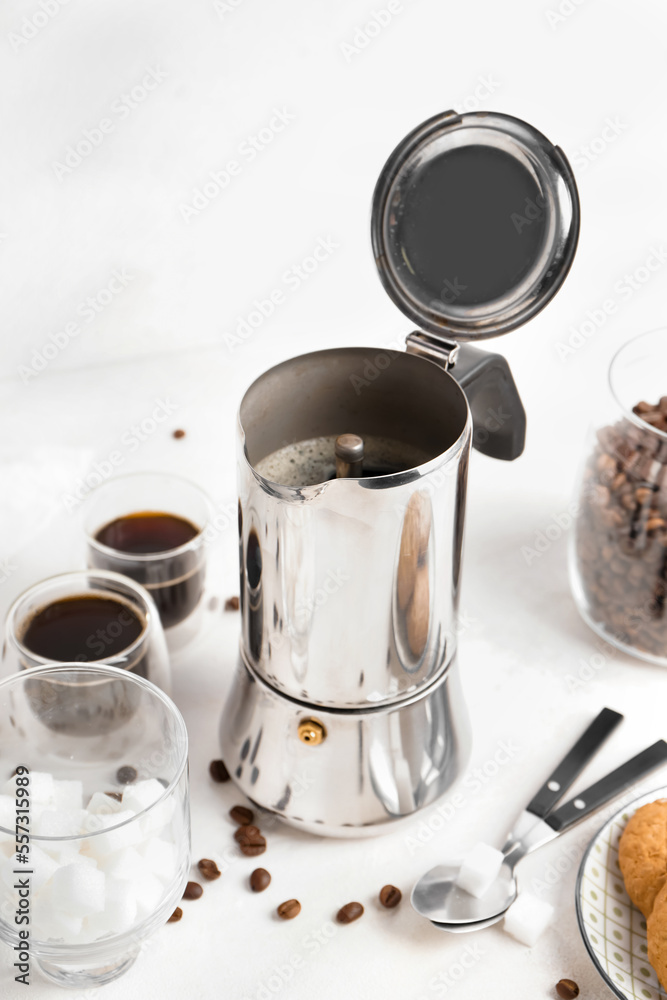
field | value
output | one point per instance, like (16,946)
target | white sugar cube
(127,864)
(68,794)
(148,893)
(42,866)
(104,805)
(160,858)
(527,917)
(117,839)
(56,925)
(157,818)
(479,869)
(118,916)
(78,890)
(142,795)
(40,788)
(59,823)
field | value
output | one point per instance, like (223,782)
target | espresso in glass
(175,583)
(84,628)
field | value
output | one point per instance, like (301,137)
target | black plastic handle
(498,416)
(608,788)
(574,762)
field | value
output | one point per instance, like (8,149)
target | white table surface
(165,335)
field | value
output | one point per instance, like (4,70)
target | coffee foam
(311,462)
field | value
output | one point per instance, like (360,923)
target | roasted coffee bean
(232,604)
(390,896)
(260,880)
(209,869)
(180,433)
(567,989)
(350,912)
(118,796)
(176,915)
(193,890)
(289,909)
(241,815)
(218,771)
(252,845)
(243,832)
(126,775)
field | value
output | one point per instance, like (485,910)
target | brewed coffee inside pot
(313,461)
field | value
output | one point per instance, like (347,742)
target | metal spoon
(437,897)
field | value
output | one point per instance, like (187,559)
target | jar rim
(627,412)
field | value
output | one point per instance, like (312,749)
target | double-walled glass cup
(94,827)
(618,552)
(131,524)
(128,609)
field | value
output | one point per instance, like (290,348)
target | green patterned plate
(614,931)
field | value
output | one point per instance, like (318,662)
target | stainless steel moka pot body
(345,713)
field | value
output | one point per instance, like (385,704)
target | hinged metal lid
(475,224)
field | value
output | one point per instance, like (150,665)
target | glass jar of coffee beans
(618,556)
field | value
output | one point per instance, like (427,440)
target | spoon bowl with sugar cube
(477,892)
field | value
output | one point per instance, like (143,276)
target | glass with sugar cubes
(103,871)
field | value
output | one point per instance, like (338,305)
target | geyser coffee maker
(345,713)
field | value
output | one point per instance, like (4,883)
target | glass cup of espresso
(151,527)
(88,616)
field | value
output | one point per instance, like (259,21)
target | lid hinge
(437,349)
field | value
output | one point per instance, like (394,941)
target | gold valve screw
(312,732)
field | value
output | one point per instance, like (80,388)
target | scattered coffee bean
(567,989)
(232,604)
(350,912)
(193,890)
(390,896)
(118,796)
(289,909)
(241,815)
(180,433)
(253,844)
(126,775)
(209,869)
(176,915)
(218,771)
(243,832)
(260,880)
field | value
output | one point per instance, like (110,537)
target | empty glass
(106,847)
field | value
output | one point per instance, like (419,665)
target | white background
(166,335)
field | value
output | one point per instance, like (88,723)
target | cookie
(642,855)
(656,932)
